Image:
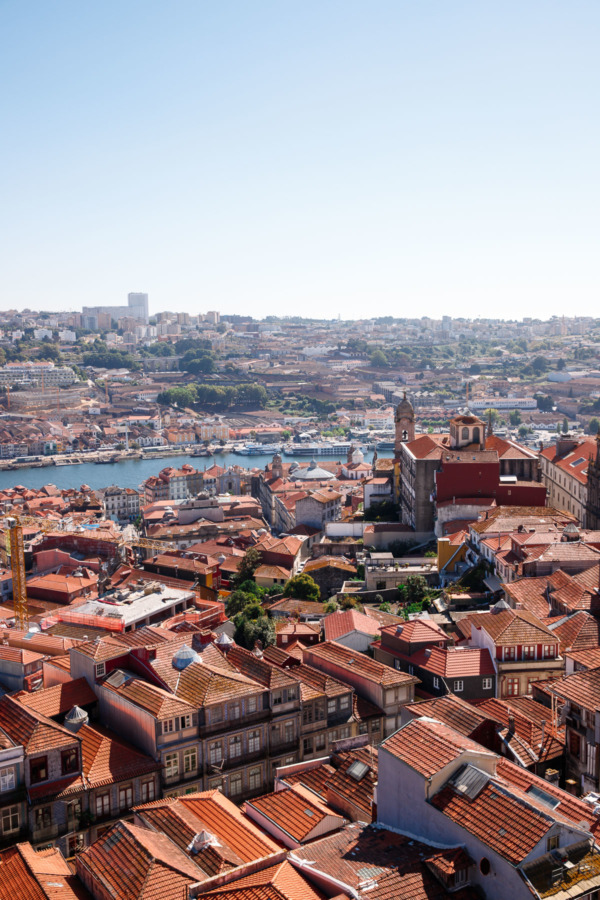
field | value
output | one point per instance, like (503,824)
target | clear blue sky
(309,157)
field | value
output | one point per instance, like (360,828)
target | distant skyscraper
(138,304)
(137,308)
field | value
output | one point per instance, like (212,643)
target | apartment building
(565,474)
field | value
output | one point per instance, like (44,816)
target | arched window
(465,434)
(405,435)
(476,437)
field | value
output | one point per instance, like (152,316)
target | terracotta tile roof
(213,812)
(38,875)
(203,685)
(459,662)
(426,745)
(59,699)
(505,823)
(329,562)
(101,650)
(280,882)
(511,627)
(417,631)
(575,461)
(107,759)
(132,863)
(273,572)
(259,670)
(20,656)
(395,866)
(446,863)
(321,682)
(315,779)
(61,662)
(585,659)
(297,629)
(428,446)
(33,731)
(340,623)
(295,811)
(511,518)
(153,699)
(570,808)
(343,786)
(522,729)
(349,660)
(48,644)
(452,711)
(291,607)
(579,631)
(581,688)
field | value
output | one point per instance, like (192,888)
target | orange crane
(15,548)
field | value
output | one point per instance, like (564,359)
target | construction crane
(17,565)
(15,548)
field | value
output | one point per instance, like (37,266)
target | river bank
(130,471)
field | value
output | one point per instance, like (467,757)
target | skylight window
(543,796)
(577,462)
(358,770)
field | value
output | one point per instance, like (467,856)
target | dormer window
(461,877)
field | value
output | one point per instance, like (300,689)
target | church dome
(183,657)
(313,473)
(358,456)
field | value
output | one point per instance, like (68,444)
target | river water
(131,472)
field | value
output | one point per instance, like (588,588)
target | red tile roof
(501,821)
(450,710)
(459,662)
(128,862)
(59,699)
(280,882)
(295,811)
(33,731)
(427,746)
(28,874)
(512,627)
(340,623)
(108,760)
(395,866)
(350,660)
(218,815)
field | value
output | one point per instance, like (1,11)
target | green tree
(248,631)
(523,431)
(237,602)
(540,365)
(378,359)
(302,587)
(565,425)
(560,364)
(330,606)
(493,413)
(247,567)
(515,417)
(416,588)
(349,602)
(545,403)
(385,606)
(594,426)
